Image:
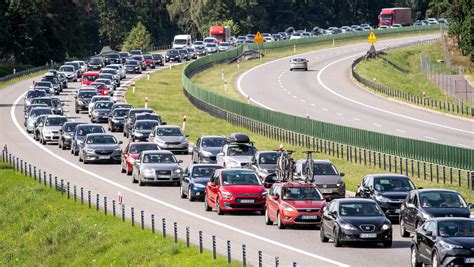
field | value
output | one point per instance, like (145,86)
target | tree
(138,38)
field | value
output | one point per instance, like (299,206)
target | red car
(89,77)
(130,154)
(101,88)
(149,61)
(234,190)
(294,203)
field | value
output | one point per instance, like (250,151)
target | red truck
(221,33)
(398,15)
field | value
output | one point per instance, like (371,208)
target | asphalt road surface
(327,93)
(299,245)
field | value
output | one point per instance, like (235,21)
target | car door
(124,157)
(213,188)
(185,180)
(221,155)
(412,213)
(328,219)
(136,166)
(273,205)
(425,237)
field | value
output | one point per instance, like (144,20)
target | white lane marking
(302,100)
(288,92)
(325,109)
(375,108)
(376,124)
(312,104)
(339,114)
(463,145)
(400,131)
(295,96)
(356,119)
(429,137)
(197,216)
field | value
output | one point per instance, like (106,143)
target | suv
(293,203)
(133,66)
(117,118)
(95,63)
(237,153)
(82,100)
(50,130)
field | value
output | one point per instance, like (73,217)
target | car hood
(143,131)
(240,159)
(448,212)
(212,150)
(327,179)
(102,146)
(52,128)
(102,110)
(172,138)
(393,195)
(466,242)
(201,180)
(357,221)
(160,166)
(244,189)
(301,204)
(268,167)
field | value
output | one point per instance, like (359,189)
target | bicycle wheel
(310,170)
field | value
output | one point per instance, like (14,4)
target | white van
(182,41)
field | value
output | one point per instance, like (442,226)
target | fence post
(244,255)
(142,219)
(187,236)
(89,198)
(123,212)
(277,262)
(153,223)
(384,163)
(260,259)
(229,258)
(67,187)
(200,242)
(50,181)
(175,228)
(444,174)
(424,170)
(82,196)
(132,211)
(163,222)
(105,205)
(97,202)
(34,172)
(113,208)
(459,177)
(62,184)
(450,175)
(214,254)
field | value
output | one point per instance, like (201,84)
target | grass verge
(42,228)
(22,78)
(165,95)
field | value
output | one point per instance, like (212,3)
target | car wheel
(337,241)
(80,157)
(76,153)
(414,257)
(387,244)
(85,161)
(218,207)
(122,170)
(129,172)
(322,235)
(140,181)
(435,259)
(267,218)
(186,152)
(281,225)
(77,111)
(60,146)
(181,193)
(206,205)
(305,69)
(291,69)
(190,195)
(403,231)
(133,178)
(43,141)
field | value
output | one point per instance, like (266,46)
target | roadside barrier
(211,243)
(23,73)
(458,108)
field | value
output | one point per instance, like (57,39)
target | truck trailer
(221,33)
(391,16)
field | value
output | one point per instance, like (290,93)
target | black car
(264,164)
(200,51)
(121,105)
(388,190)
(141,129)
(66,133)
(424,204)
(158,59)
(195,178)
(112,59)
(131,119)
(206,148)
(95,63)
(140,59)
(124,56)
(355,220)
(444,242)
(82,100)
(133,66)
(117,118)
(173,55)
(184,54)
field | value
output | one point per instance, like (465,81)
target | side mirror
(342,174)
(410,205)
(275,197)
(429,233)
(180,161)
(185,174)
(83,144)
(333,214)
(470,206)
(120,142)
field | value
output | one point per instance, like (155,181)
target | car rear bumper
(355,236)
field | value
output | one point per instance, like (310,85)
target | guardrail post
(294,264)
(123,212)
(132,212)
(153,223)
(62,184)
(395,161)
(365,157)
(175,228)
(444,174)
(163,222)
(214,247)
(200,242)
(260,259)
(82,196)
(105,205)
(34,172)
(89,198)
(244,255)
(384,162)
(187,236)
(459,177)
(45,181)
(277,262)
(360,156)
(450,175)
(406,166)
(142,219)
(424,170)
(97,202)
(229,256)
(418,168)
(21,166)
(114,213)
(380,162)
(67,188)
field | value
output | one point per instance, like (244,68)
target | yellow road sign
(372,39)
(258,38)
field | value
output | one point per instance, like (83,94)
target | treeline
(36,31)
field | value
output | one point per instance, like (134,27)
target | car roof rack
(239,138)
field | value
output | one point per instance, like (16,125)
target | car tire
(181,193)
(186,152)
(322,235)
(305,69)
(337,241)
(414,257)
(280,224)
(435,259)
(133,179)
(129,172)
(268,221)
(291,69)
(77,111)
(403,231)
(80,158)
(76,153)
(59,145)
(206,204)
(218,207)
(387,244)
(190,195)
(140,182)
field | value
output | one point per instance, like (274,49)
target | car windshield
(393,184)
(70,127)
(112,71)
(112,56)
(90,129)
(106,76)
(145,125)
(385,17)
(67,69)
(442,199)
(138,148)
(123,54)
(99,98)
(101,139)
(214,142)
(127,106)
(46,101)
(35,93)
(360,209)
(301,193)
(241,150)
(172,52)
(90,78)
(86,94)
(456,228)
(324,169)
(45,84)
(95,61)
(183,51)
(121,112)
(132,63)
(106,81)
(103,105)
(211,45)
(268,158)
(180,41)
(204,171)
(147,57)
(169,132)
(56,102)
(239,177)
(156,56)
(38,112)
(159,158)
(55,121)
(298,59)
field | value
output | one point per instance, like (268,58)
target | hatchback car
(116,119)
(141,129)
(66,133)
(206,148)
(264,164)
(155,166)
(94,99)
(170,137)
(355,220)
(172,55)
(50,130)
(82,100)
(131,119)
(195,178)
(423,204)
(211,48)
(101,111)
(70,72)
(130,154)
(80,134)
(158,59)
(89,77)
(293,203)
(100,147)
(237,153)
(298,63)
(102,87)
(132,66)
(149,61)
(33,116)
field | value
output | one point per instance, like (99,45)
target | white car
(396,26)
(224,46)
(82,64)
(296,35)
(268,39)
(237,153)
(69,72)
(95,99)
(120,69)
(210,40)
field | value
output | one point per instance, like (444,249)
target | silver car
(120,69)
(169,137)
(100,147)
(95,99)
(69,71)
(101,111)
(50,130)
(34,114)
(156,166)
(298,63)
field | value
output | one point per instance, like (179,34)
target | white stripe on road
(376,124)
(429,137)
(400,131)
(356,119)
(463,145)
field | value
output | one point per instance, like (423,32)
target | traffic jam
(228,174)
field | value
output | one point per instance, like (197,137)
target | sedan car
(133,66)
(172,55)
(170,137)
(80,134)
(444,242)
(95,63)
(184,54)
(298,63)
(100,147)
(50,130)
(388,190)
(101,111)
(264,164)
(141,129)
(34,114)
(355,220)
(82,100)
(66,133)
(94,99)
(293,203)
(206,148)
(195,178)
(158,59)
(70,72)
(130,154)
(423,204)
(234,190)
(116,119)
(155,166)
(211,48)
(131,119)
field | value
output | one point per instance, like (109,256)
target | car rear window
(36,93)
(169,132)
(138,148)
(55,121)
(90,129)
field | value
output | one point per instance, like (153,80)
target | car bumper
(391,212)
(93,157)
(152,178)
(174,147)
(355,236)
(67,142)
(51,137)
(298,66)
(233,205)
(197,193)
(141,138)
(302,218)
(116,125)
(458,257)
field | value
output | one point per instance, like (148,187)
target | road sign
(372,39)
(258,38)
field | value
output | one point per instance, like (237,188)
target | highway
(299,245)
(326,92)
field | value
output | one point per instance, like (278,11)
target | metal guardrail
(23,73)
(458,108)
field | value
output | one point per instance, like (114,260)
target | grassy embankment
(21,78)
(165,96)
(42,228)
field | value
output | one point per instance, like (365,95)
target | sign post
(372,39)
(258,40)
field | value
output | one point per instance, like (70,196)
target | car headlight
(80,102)
(178,171)
(47,131)
(426,216)
(341,184)
(160,142)
(148,171)
(206,153)
(348,226)
(118,149)
(449,246)
(386,226)
(88,150)
(288,208)
(67,136)
(95,112)
(233,164)
(381,198)
(226,195)
(138,134)
(199,186)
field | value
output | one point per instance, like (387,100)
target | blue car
(80,135)
(195,178)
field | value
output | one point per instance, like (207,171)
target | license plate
(368,235)
(104,157)
(163,176)
(198,193)
(246,201)
(309,217)
(397,211)
(469,260)
(326,191)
